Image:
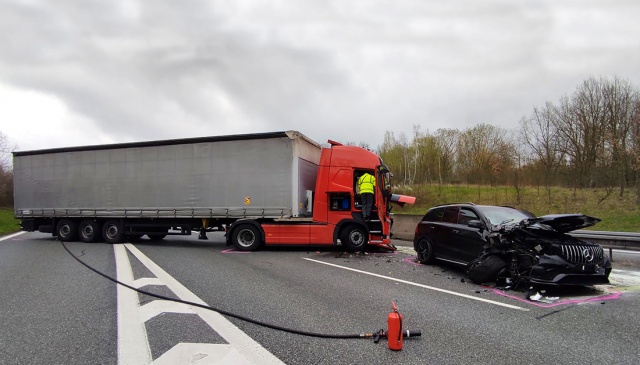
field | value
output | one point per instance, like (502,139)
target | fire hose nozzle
(412,333)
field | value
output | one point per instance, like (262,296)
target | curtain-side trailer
(267,188)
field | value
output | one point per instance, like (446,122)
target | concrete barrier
(404,226)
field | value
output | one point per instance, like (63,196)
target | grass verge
(617,212)
(8,224)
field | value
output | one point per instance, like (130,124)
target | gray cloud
(349,71)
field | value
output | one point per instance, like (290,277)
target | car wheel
(354,238)
(485,269)
(246,237)
(67,230)
(425,251)
(89,231)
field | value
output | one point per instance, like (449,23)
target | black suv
(495,242)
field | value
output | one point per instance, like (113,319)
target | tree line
(589,139)
(6,173)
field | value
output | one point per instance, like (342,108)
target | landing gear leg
(203,230)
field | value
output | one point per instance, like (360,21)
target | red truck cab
(336,209)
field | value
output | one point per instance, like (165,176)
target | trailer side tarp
(218,178)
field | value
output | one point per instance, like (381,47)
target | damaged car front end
(538,251)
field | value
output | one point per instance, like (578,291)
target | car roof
(471,204)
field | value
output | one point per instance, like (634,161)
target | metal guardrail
(610,240)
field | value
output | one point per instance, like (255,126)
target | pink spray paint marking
(231,250)
(411,261)
(611,296)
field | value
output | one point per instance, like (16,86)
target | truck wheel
(246,237)
(67,230)
(354,238)
(425,251)
(156,237)
(89,231)
(112,232)
(485,270)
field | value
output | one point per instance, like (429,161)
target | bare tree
(446,142)
(484,153)
(6,175)
(580,122)
(619,102)
(539,134)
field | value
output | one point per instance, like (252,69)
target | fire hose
(395,333)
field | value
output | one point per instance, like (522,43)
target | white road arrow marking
(133,345)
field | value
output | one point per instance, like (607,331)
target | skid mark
(610,296)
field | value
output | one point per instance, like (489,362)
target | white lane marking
(189,353)
(627,272)
(142,282)
(420,285)
(8,237)
(133,343)
(624,277)
(249,350)
(158,306)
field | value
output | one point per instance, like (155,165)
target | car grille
(579,254)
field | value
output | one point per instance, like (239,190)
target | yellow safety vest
(366,183)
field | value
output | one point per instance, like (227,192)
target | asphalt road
(53,310)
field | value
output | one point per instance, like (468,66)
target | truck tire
(354,238)
(112,232)
(486,270)
(89,231)
(246,237)
(67,230)
(425,251)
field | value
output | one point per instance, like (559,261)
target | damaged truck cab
(335,207)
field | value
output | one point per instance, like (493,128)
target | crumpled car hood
(565,222)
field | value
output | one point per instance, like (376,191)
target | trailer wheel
(354,238)
(112,232)
(425,251)
(89,231)
(246,237)
(67,230)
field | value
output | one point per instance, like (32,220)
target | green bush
(8,224)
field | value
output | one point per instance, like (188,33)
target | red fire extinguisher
(394,329)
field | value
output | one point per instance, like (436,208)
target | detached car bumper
(554,270)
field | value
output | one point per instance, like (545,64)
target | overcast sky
(108,71)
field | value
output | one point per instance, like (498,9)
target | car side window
(434,215)
(450,215)
(466,215)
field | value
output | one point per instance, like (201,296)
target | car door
(467,243)
(444,246)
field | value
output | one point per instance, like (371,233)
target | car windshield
(497,215)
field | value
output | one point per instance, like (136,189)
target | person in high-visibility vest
(366,184)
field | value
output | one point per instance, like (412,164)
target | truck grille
(578,254)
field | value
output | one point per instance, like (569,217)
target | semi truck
(278,188)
